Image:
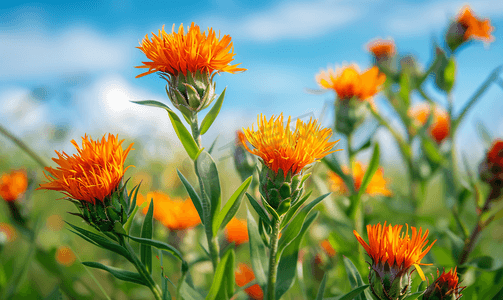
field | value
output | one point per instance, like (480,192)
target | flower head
(474,28)
(377,185)
(236,231)
(176,214)
(13,185)
(381,48)
(244,275)
(445,287)
(65,256)
(348,82)
(93,173)
(491,169)
(281,148)
(440,127)
(191,51)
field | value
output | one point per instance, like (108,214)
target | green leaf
(294,228)
(321,290)
(258,254)
(355,279)
(181,131)
(207,172)
(431,150)
(371,170)
(188,293)
(132,205)
(259,209)
(159,245)
(129,222)
(231,207)
(288,260)
(413,296)
(213,145)
(291,212)
(146,233)
(198,204)
(222,286)
(351,295)
(456,242)
(118,273)
(55,294)
(486,263)
(100,241)
(212,114)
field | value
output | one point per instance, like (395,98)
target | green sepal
(118,273)
(192,96)
(231,207)
(271,210)
(291,212)
(284,206)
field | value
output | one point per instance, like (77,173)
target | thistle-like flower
(285,153)
(377,185)
(393,253)
(189,61)
(445,287)
(93,180)
(175,214)
(381,48)
(467,27)
(440,126)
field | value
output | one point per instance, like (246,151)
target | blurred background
(67,68)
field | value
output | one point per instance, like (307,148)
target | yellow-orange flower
(91,174)
(8,232)
(281,148)
(244,275)
(176,214)
(381,48)
(391,249)
(13,185)
(440,127)
(236,231)
(377,185)
(65,256)
(475,28)
(179,52)
(348,82)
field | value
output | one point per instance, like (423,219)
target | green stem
(212,241)
(142,270)
(273,262)
(23,146)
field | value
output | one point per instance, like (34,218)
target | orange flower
(474,28)
(377,185)
(446,286)
(92,174)
(347,82)
(236,231)
(176,214)
(440,126)
(65,256)
(495,154)
(194,51)
(381,48)
(281,148)
(327,247)
(8,232)
(13,185)
(245,275)
(393,251)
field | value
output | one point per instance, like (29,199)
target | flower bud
(192,92)
(446,287)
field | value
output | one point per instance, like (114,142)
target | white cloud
(293,20)
(31,51)
(421,18)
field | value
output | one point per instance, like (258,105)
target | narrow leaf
(198,204)
(212,114)
(351,295)
(207,172)
(118,273)
(288,260)
(231,207)
(223,278)
(321,290)
(159,245)
(355,279)
(188,293)
(295,226)
(146,233)
(413,296)
(371,170)
(260,211)
(258,254)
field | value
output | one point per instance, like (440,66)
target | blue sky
(83,55)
